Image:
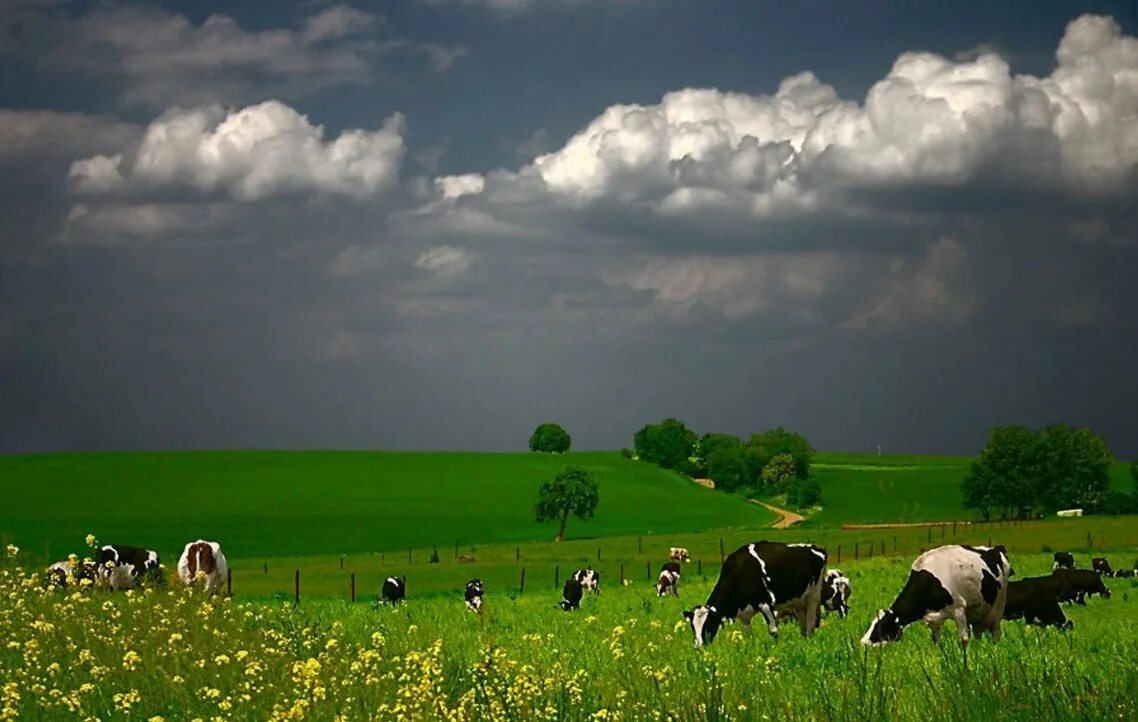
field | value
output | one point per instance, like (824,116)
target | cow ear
(688,614)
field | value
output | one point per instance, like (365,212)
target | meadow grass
(624,655)
(315,502)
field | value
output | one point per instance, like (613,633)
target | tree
(574,491)
(727,467)
(550,438)
(779,470)
(803,493)
(770,444)
(668,444)
(1021,473)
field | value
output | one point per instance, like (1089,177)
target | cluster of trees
(1023,474)
(776,460)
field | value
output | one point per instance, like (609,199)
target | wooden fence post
(522,584)
(296,582)
(855,550)
(517,554)
(871,550)
(894,542)
(839,554)
(341,562)
(408,556)
(229,582)
(954,528)
(353,587)
(622,574)
(699,567)
(266,567)
(598,554)
(721,554)
(556,576)
(882,547)
(648,571)
(639,545)
(942,531)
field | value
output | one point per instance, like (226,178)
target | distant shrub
(626,453)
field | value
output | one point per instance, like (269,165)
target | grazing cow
(1099,565)
(1126,573)
(765,578)
(836,592)
(1083,583)
(394,590)
(124,567)
(1064,560)
(205,559)
(474,592)
(964,583)
(589,578)
(679,554)
(62,573)
(1036,601)
(570,595)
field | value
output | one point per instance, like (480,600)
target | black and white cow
(836,592)
(669,580)
(61,574)
(1064,560)
(766,578)
(1099,565)
(963,583)
(589,578)
(1036,601)
(1126,573)
(1083,583)
(124,567)
(473,595)
(394,590)
(570,595)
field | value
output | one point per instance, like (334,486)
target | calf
(394,591)
(570,595)
(61,574)
(836,592)
(124,567)
(967,584)
(203,562)
(1064,560)
(474,592)
(1099,565)
(1036,601)
(1082,583)
(765,578)
(669,579)
(589,578)
(679,554)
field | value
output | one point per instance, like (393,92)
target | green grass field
(624,655)
(301,503)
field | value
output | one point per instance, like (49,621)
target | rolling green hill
(332,502)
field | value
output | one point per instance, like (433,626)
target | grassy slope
(296,503)
(898,488)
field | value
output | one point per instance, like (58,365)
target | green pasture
(332,502)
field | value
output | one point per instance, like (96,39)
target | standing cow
(669,580)
(766,578)
(203,561)
(1063,560)
(589,578)
(473,595)
(836,592)
(394,591)
(964,583)
(1081,584)
(1036,601)
(124,567)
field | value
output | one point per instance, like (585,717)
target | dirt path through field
(786,518)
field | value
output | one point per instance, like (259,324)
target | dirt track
(786,518)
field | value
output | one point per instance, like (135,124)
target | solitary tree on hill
(574,491)
(550,438)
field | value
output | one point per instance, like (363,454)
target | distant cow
(124,567)
(473,595)
(1036,601)
(1083,583)
(679,554)
(1126,573)
(589,578)
(203,558)
(669,580)
(836,592)
(1099,565)
(63,573)
(766,578)
(394,590)
(571,595)
(964,583)
(1064,560)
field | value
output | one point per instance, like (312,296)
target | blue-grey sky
(437,223)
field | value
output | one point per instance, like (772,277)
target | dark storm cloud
(903,269)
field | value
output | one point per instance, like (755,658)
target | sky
(434,224)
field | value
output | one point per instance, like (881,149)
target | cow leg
(934,627)
(809,619)
(745,616)
(772,622)
(962,625)
(994,630)
(843,610)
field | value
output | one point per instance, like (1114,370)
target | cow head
(705,623)
(886,627)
